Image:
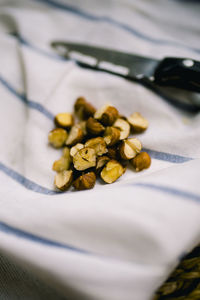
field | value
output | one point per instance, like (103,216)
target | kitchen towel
(116,241)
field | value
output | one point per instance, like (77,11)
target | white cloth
(116,241)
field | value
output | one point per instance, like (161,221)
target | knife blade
(171,72)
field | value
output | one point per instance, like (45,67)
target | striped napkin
(116,241)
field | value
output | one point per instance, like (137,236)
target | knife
(164,76)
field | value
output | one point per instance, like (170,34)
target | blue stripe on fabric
(32,104)
(38,50)
(173,158)
(8,229)
(125,27)
(169,190)
(155,154)
(30,185)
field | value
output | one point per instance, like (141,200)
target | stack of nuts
(97,145)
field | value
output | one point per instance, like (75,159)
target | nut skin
(109,116)
(141,161)
(64,120)
(98,144)
(113,153)
(123,117)
(111,135)
(84,159)
(84,109)
(85,181)
(79,103)
(105,150)
(138,122)
(63,180)
(94,127)
(57,137)
(112,171)
(98,114)
(75,136)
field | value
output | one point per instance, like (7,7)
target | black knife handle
(181,73)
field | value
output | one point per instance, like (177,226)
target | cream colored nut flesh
(126,151)
(124,128)
(75,136)
(101,161)
(75,149)
(64,120)
(57,137)
(108,139)
(98,144)
(135,144)
(82,126)
(66,152)
(138,122)
(129,148)
(112,171)
(101,110)
(84,159)
(63,180)
(61,164)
